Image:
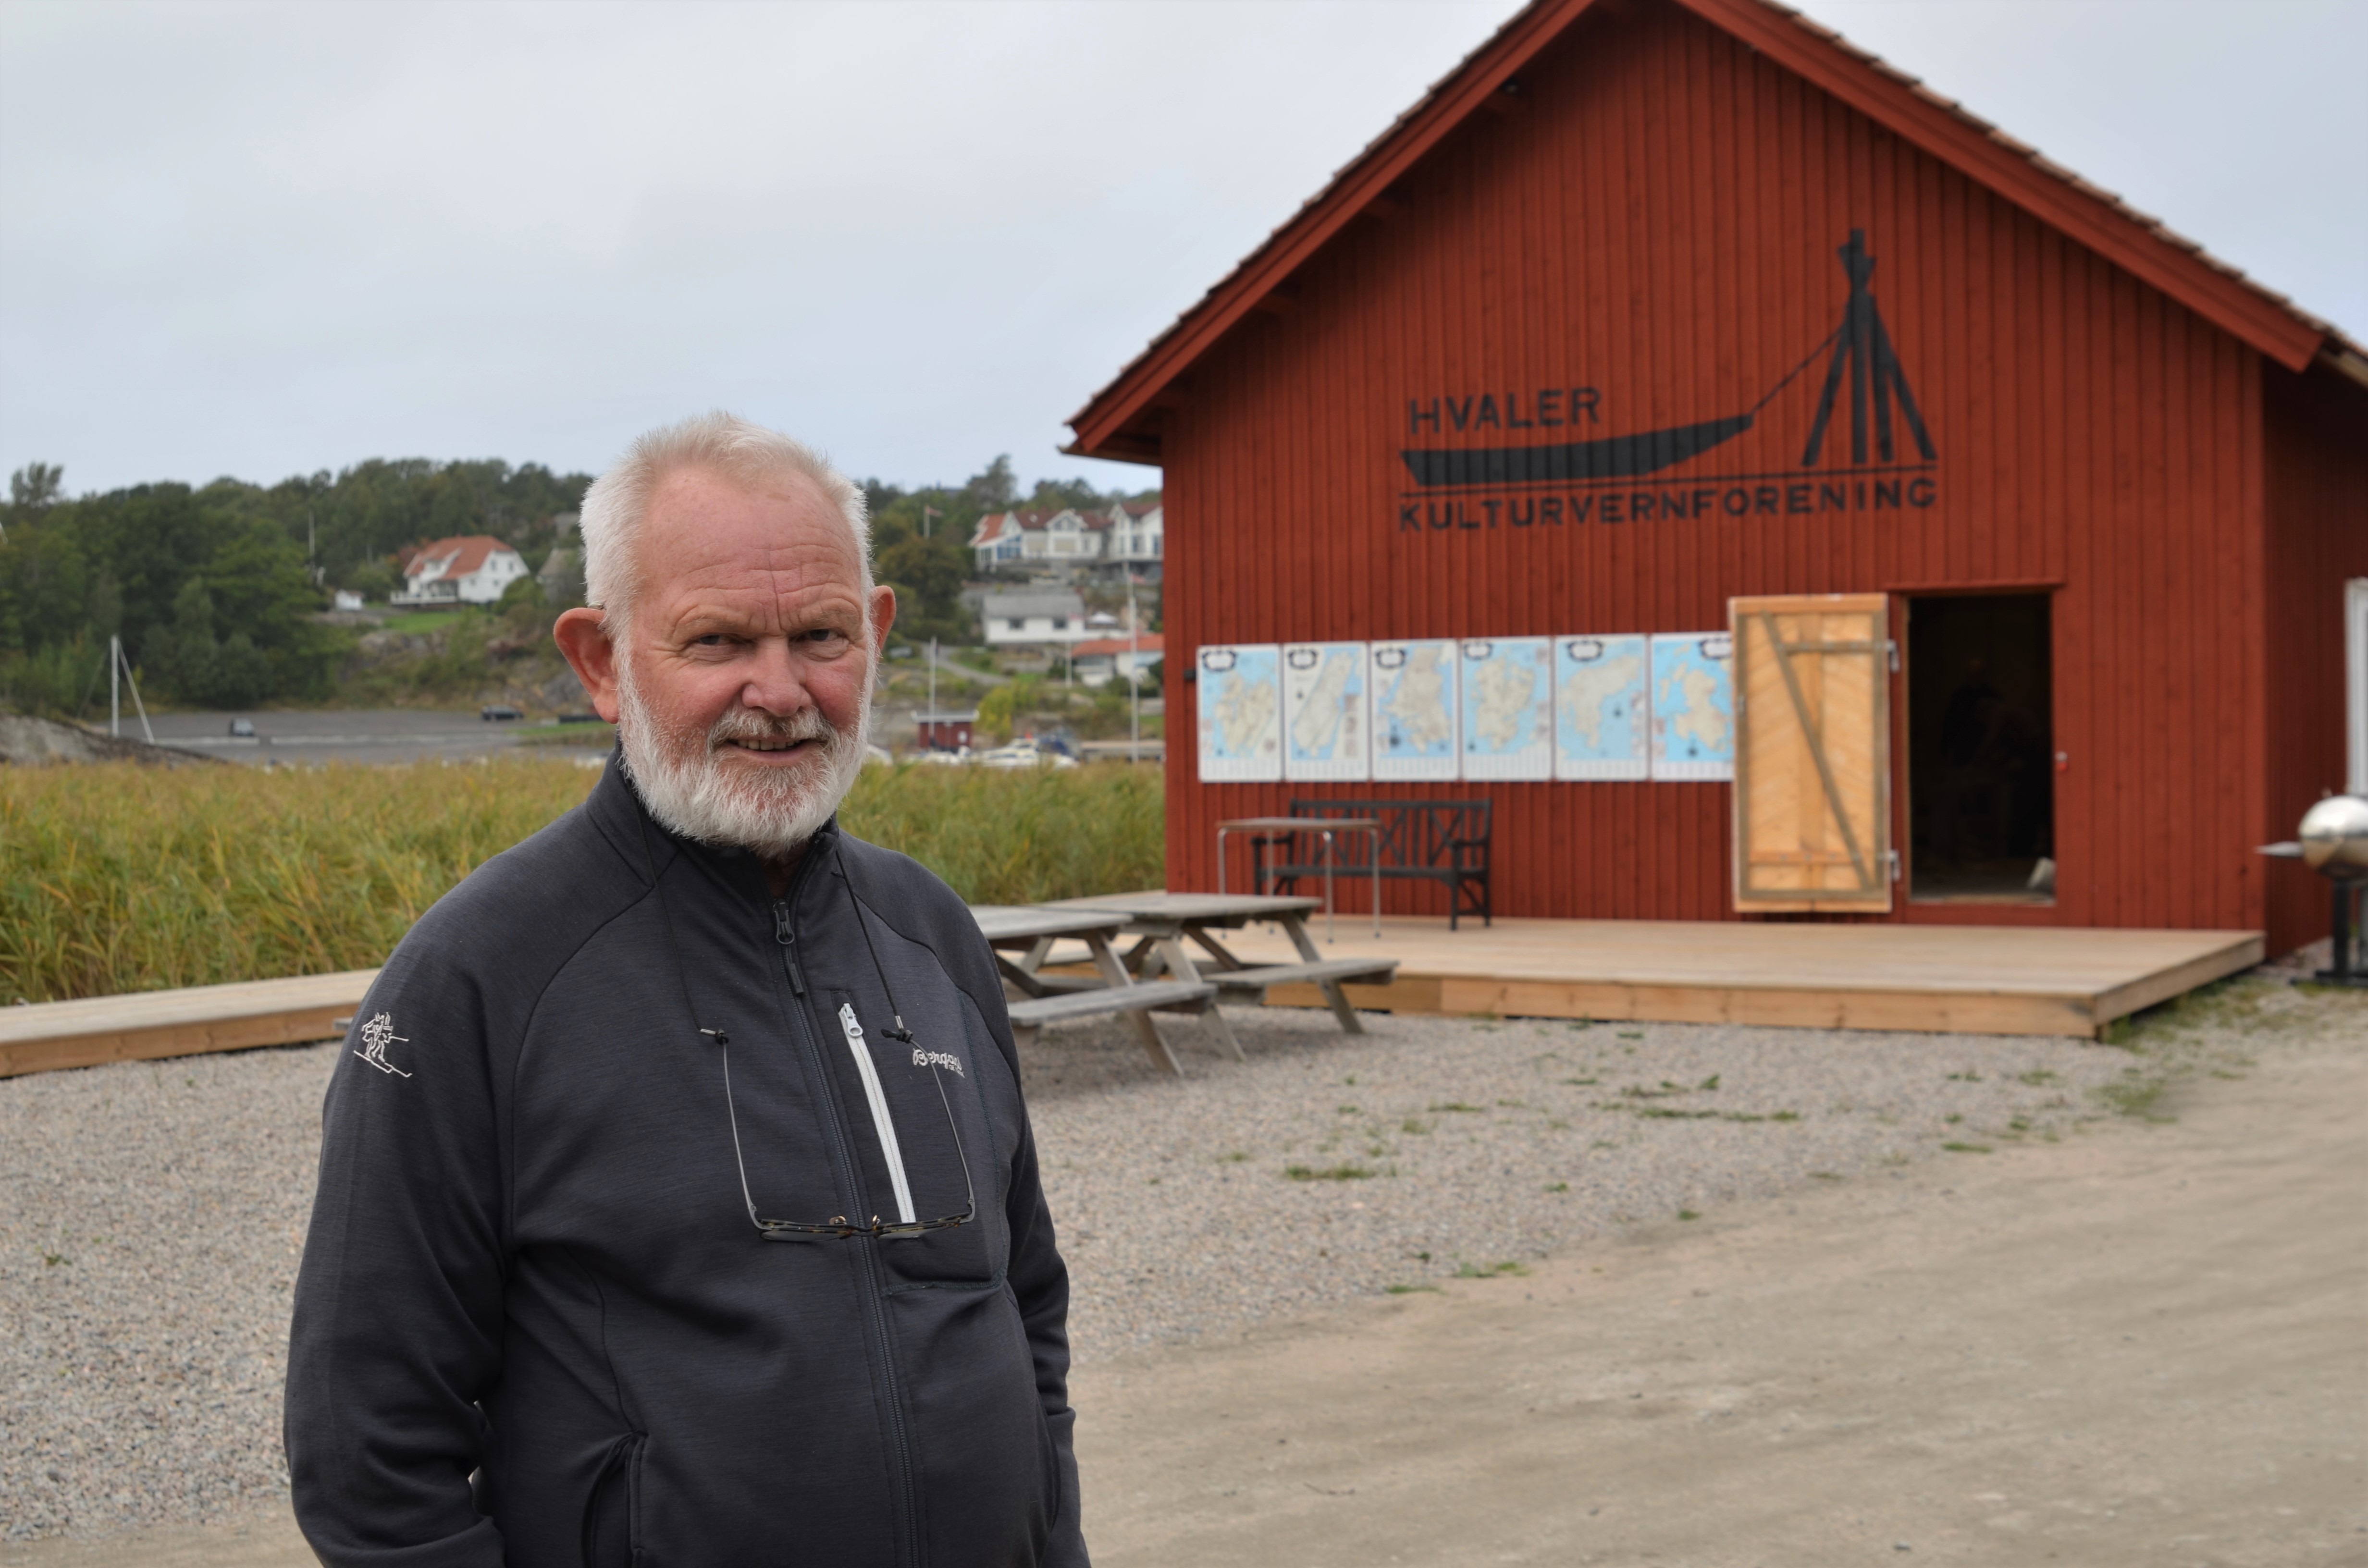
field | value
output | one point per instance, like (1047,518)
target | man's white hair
(722,444)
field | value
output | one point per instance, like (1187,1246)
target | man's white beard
(693,788)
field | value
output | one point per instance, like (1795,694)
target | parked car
(1024,752)
(498,710)
(242,728)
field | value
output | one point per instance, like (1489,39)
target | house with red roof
(1066,538)
(1101,660)
(472,569)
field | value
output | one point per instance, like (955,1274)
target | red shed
(1664,316)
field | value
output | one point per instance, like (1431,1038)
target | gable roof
(461,555)
(1941,127)
(1149,642)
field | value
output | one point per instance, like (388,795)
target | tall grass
(1021,836)
(117,878)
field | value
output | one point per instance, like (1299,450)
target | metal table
(1323,828)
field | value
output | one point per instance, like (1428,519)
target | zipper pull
(789,940)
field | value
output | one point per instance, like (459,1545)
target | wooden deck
(148,1024)
(1952,979)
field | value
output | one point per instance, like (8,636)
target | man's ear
(583,635)
(883,616)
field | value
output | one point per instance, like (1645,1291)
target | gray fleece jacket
(535,1324)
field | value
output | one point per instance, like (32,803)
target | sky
(267,239)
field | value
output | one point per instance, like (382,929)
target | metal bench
(1433,841)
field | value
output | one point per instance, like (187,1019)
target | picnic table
(1164,921)
(1033,1004)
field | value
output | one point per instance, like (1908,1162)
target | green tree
(180,657)
(996,488)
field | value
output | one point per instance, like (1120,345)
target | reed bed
(116,878)
(1021,836)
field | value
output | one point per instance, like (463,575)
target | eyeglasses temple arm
(747,1197)
(953,1124)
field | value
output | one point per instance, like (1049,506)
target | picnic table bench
(1164,921)
(1433,841)
(1033,1003)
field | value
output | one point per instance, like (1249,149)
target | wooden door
(1812,753)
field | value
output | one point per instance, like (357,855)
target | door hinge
(1893,855)
(1892,648)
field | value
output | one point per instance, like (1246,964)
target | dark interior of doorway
(1981,749)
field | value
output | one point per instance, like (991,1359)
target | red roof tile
(1148,643)
(466,553)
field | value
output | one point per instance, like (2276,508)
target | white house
(1065,537)
(1033,620)
(1103,659)
(474,568)
(1135,540)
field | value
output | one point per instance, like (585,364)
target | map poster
(1241,713)
(1414,709)
(1602,718)
(1693,706)
(1325,714)
(1507,689)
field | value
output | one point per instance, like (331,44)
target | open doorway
(1981,750)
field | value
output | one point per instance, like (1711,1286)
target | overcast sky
(264,239)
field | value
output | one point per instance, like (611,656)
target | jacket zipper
(874,1295)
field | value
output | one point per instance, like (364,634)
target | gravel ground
(1331,1166)
(150,1213)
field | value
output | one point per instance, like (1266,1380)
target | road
(381,734)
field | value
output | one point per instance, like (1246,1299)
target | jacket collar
(616,809)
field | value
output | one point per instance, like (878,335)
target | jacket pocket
(612,1508)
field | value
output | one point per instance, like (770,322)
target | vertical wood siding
(1658,218)
(2318,537)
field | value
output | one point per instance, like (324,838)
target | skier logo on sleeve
(377,1035)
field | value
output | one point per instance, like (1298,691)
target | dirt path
(2145,1345)
(2149,1346)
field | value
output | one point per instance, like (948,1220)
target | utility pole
(117,663)
(933,693)
(1133,676)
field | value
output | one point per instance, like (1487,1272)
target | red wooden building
(2110,489)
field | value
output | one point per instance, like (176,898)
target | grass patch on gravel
(1329,1172)
(2195,1035)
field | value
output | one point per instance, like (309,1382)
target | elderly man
(678,1199)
